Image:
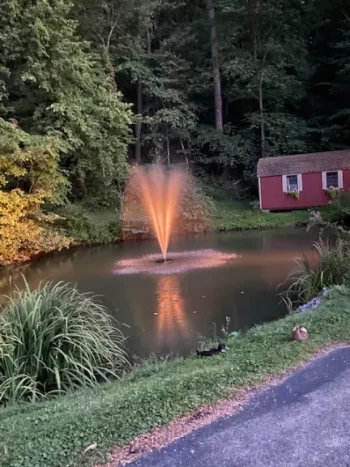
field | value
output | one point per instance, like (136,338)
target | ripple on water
(181,262)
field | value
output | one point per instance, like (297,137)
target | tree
(268,65)
(340,120)
(266,68)
(121,31)
(57,86)
(29,177)
(216,65)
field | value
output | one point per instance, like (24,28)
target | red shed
(302,181)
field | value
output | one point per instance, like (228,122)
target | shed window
(292,183)
(332,179)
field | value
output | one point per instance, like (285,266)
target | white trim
(340,179)
(284,183)
(260,198)
(324,180)
(300,182)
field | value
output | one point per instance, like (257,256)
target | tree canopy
(117,81)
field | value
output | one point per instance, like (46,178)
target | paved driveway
(303,422)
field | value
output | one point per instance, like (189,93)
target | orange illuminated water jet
(160,194)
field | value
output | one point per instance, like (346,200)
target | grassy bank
(75,225)
(239,215)
(87,227)
(72,226)
(55,433)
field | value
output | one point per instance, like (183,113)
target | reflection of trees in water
(65,266)
(34,273)
(171,319)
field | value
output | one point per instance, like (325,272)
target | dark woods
(212,83)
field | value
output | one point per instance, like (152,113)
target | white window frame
(285,182)
(340,179)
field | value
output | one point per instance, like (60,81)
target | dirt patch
(161,437)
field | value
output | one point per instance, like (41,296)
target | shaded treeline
(214,83)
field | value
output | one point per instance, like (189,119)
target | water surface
(166,312)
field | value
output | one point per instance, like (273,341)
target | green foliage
(56,86)
(56,433)
(341,118)
(238,215)
(53,340)
(295,194)
(88,227)
(207,342)
(334,217)
(266,66)
(197,208)
(71,71)
(29,177)
(341,208)
(309,277)
(31,163)
(278,61)
(333,193)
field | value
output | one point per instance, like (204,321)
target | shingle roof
(304,163)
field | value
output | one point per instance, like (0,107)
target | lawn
(55,433)
(239,215)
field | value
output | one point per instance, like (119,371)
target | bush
(55,339)
(339,211)
(29,177)
(308,281)
(86,226)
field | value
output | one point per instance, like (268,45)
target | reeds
(307,281)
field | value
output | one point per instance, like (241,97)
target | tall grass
(55,339)
(307,281)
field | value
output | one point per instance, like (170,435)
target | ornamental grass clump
(307,279)
(55,339)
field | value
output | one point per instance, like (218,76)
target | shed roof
(304,163)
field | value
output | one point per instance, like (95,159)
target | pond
(166,307)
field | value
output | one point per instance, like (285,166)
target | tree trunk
(216,66)
(262,117)
(168,151)
(138,128)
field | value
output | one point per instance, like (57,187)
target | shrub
(340,210)
(86,226)
(307,281)
(29,177)
(55,339)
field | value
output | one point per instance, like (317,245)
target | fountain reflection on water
(198,296)
(171,314)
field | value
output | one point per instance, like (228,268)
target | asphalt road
(303,422)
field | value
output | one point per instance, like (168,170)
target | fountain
(160,193)
(165,201)
(165,305)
